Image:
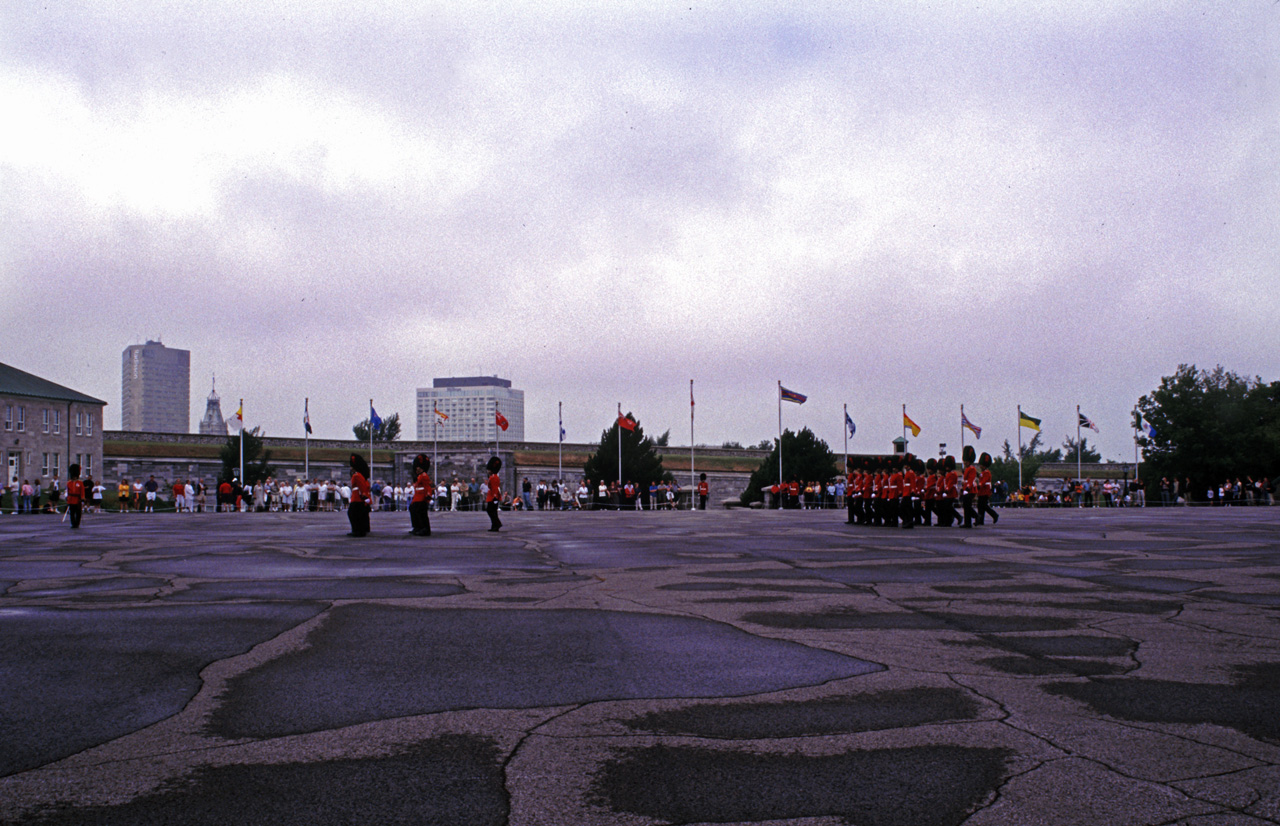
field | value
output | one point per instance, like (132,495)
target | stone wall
(170,456)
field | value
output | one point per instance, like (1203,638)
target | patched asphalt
(1101,666)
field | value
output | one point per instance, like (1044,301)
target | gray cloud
(1046,205)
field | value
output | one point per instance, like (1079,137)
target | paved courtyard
(1063,667)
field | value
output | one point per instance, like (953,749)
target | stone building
(44,427)
(213,424)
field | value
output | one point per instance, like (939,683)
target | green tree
(1210,425)
(665,439)
(1088,454)
(1004,468)
(763,444)
(257,461)
(737,445)
(804,457)
(640,462)
(388,432)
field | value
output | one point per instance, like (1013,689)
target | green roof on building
(15,382)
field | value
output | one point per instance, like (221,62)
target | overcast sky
(936,204)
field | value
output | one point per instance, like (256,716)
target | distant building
(213,424)
(46,427)
(470,403)
(155,389)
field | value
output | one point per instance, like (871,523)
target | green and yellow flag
(1028,421)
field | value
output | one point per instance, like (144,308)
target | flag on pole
(848,422)
(1028,421)
(500,419)
(240,417)
(792,396)
(964,422)
(1145,426)
(1085,422)
(306,416)
(562,430)
(691,397)
(906,422)
(442,416)
(626,422)
(375,421)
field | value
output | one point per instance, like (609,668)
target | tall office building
(155,389)
(470,403)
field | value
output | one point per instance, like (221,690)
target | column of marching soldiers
(905,491)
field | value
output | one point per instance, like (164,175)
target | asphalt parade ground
(1062,667)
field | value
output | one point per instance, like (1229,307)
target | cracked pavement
(1063,667)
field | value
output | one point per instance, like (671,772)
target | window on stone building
(88,464)
(88,424)
(56,462)
(8,417)
(57,421)
(44,425)
(22,419)
(79,424)
(44,464)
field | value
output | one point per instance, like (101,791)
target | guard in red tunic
(969,486)
(947,493)
(984,490)
(494,496)
(704,490)
(358,510)
(75,495)
(907,495)
(851,492)
(423,490)
(930,491)
(892,492)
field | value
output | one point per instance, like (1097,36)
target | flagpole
(306,440)
(1019,448)
(844,427)
(779,434)
(1081,502)
(435,442)
(497,432)
(904,429)
(693,479)
(242,441)
(962,431)
(560,444)
(371,441)
(618,424)
(1137,425)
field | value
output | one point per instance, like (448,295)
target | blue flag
(562,430)
(848,422)
(374,421)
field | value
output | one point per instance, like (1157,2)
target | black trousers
(984,507)
(908,511)
(494,522)
(75,511)
(966,500)
(419,518)
(358,514)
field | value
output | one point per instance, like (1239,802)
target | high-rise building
(155,389)
(470,403)
(213,424)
